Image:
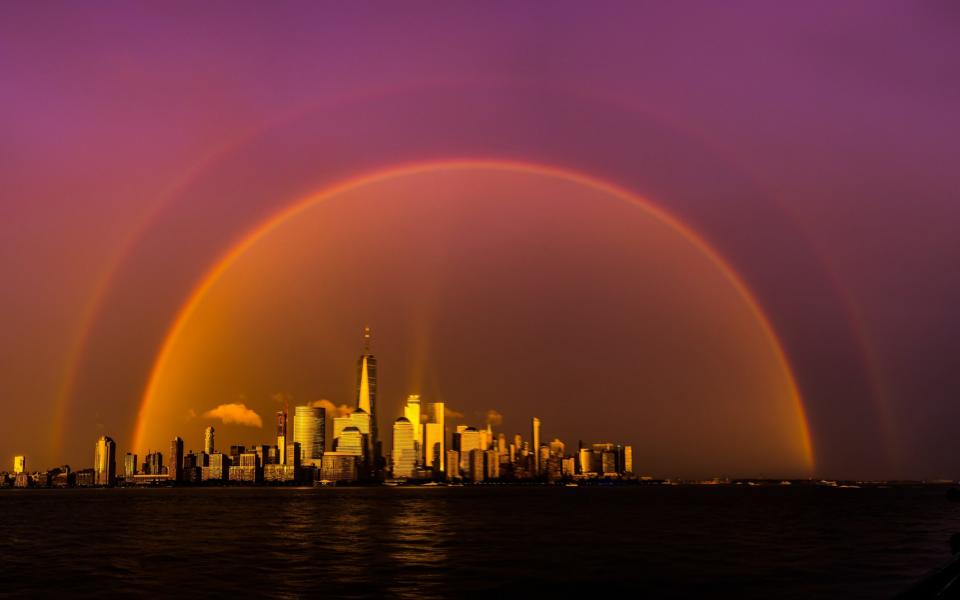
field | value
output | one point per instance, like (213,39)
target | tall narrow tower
(536,446)
(282,435)
(208,442)
(367,390)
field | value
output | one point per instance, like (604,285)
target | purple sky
(814,146)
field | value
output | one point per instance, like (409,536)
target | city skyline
(355,454)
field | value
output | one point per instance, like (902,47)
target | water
(471,541)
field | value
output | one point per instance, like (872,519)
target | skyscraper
(105,462)
(351,441)
(129,465)
(175,460)
(19,464)
(435,439)
(282,435)
(367,389)
(412,412)
(309,428)
(469,440)
(208,445)
(536,446)
(404,448)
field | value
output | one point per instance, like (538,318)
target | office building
(628,460)
(535,426)
(367,390)
(105,461)
(208,440)
(282,436)
(175,460)
(309,425)
(474,470)
(453,464)
(468,440)
(404,448)
(412,412)
(19,464)
(433,446)
(339,466)
(351,441)
(129,466)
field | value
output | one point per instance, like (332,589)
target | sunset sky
(699,229)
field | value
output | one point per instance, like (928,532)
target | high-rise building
(351,441)
(309,426)
(129,465)
(469,439)
(474,463)
(628,459)
(19,464)
(404,448)
(557,448)
(433,455)
(536,445)
(412,412)
(175,460)
(367,389)
(282,435)
(586,461)
(208,442)
(453,464)
(105,461)
(339,423)
(153,463)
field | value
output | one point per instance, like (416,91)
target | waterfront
(473,540)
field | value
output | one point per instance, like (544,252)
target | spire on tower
(366,340)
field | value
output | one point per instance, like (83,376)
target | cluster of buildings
(422,449)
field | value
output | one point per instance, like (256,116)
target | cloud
(235,413)
(494,417)
(449,413)
(332,409)
(191,414)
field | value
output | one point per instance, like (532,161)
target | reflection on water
(453,542)
(418,536)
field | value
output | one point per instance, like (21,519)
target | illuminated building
(501,444)
(628,459)
(19,464)
(339,466)
(433,446)
(467,441)
(217,470)
(248,470)
(404,448)
(351,442)
(153,463)
(453,464)
(536,445)
(175,460)
(309,425)
(105,461)
(436,438)
(412,412)
(569,467)
(543,454)
(282,436)
(339,423)
(585,456)
(486,437)
(367,390)
(609,463)
(129,466)
(208,442)
(557,447)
